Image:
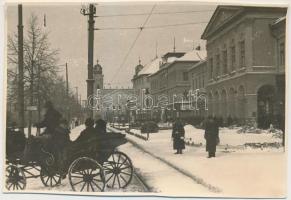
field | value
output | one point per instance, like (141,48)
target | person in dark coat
(51,119)
(88,132)
(100,125)
(178,135)
(60,140)
(211,136)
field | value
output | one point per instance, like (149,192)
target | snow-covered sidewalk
(246,173)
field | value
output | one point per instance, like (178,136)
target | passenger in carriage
(88,132)
(100,125)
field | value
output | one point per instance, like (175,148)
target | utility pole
(67,92)
(90,81)
(38,97)
(20,71)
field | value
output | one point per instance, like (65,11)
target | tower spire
(139,61)
(174,49)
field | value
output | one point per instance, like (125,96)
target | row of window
(198,82)
(219,65)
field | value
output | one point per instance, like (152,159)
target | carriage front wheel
(15,178)
(118,170)
(86,174)
(50,177)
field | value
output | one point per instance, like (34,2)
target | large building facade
(171,82)
(245,64)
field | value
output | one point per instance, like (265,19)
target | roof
(198,64)
(151,67)
(173,54)
(195,55)
(225,14)
(279,20)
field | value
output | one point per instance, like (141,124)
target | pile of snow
(231,137)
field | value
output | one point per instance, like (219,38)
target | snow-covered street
(236,171)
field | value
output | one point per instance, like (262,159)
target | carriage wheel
(86,174)
(50,177)
(118,170)
(15,178)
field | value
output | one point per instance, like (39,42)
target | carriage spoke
(97,174)
(51,181)
(123,162)
(19,186)
(10,186)
(114,161)
(77,176)
(48,178)
(113,181)
(109,178)
(110,163)
(87,186)
(125,167)
(83,186)
(91,187)
(97,186)
(126,173)
(55,180)
(118,160)
(99,180)
(78,182)
(122,178)
(118,181)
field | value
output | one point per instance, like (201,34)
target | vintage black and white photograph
(145,98)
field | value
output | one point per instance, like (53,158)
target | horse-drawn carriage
(91,165)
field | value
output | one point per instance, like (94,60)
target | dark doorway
(266,102)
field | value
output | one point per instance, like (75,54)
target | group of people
(56,135)
(211,136)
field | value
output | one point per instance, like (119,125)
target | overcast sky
(68,33)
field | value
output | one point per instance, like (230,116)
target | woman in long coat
(211,136)
(178,135)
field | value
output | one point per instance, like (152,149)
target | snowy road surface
(238,173)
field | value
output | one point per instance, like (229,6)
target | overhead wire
(149,27)
(133,44)
(156,13)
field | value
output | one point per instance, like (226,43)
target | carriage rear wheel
(118,170)
(50,177)
(15,178)
(86,174)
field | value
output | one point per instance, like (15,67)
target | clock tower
(98,77)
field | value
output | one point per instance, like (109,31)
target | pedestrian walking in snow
(211,136)
(178,135)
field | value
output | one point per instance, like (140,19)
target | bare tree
(40,61)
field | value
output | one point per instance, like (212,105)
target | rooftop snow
(151,67)
(193,56)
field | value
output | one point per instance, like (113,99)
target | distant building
(198,79)
(172,82)
(141,84)
(245,61)
(113,104)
